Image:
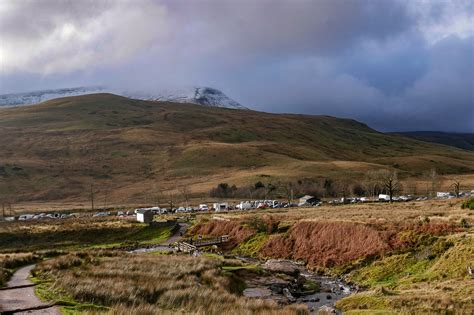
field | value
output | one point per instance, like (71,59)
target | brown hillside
(138,151)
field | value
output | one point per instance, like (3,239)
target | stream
(288,282)
(285,282)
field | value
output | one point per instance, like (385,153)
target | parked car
(25,217)
(181,209)
(101,214)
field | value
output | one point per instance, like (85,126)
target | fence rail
(192,245)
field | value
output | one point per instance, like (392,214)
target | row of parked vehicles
(223,206)
(40,216)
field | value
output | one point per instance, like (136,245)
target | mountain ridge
(138,149)
(460,140)
(205,96)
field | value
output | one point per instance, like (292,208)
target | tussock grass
(10,262)
(326,244)
(150,284)
(428,281)
(77,232)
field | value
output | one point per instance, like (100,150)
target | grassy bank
(122,283)
(408,258)
(433,280)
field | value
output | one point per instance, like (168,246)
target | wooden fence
(191,245)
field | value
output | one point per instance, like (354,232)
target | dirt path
(23,298)
(183,227)
(165,245)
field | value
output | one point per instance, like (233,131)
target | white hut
(144,215)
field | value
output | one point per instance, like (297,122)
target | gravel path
(23,298)
(183,227)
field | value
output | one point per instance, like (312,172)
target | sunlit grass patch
(158,283)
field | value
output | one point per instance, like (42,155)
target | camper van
(244,205)
(220,206)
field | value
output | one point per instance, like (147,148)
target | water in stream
(286,282)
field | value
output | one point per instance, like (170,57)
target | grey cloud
(395,65)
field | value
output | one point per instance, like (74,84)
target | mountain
(195,95)
(135,151)
(459,140)
(36,97)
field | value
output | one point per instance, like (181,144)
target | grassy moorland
(74,233)
(409,258)
(120,283)
(135,151)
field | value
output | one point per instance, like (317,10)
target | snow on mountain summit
(197,95)
(205,96)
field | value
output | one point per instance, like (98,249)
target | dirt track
(23,298)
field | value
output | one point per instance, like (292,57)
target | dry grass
(151,284)
(339,236)
(9,262)
(436,211)
(418,283)
(75,232)
(326,244)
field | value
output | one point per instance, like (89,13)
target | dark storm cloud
(396,65)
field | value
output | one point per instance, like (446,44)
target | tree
(157,195)
(433,179)
(223,190)
(373,183)
(342,188)
(456,187)
(328,190)
(358,190)
(185,193)
(171,199)
(288,189)
(391,184)
(92,197)
(269,190)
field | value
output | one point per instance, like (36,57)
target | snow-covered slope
(18,99)
(197,95)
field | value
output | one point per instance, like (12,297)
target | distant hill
(133,150)
(206,96)
(459,140)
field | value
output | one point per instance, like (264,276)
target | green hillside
(134,149)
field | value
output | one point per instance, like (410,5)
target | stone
(283,266)
(326,310)
(288,295)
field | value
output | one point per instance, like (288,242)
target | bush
(468,204)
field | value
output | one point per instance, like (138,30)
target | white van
(203,207)
(220,206)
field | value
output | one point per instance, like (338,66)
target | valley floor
(406,258)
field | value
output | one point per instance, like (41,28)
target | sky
(395,65)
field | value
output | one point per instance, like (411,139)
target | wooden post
(92,197)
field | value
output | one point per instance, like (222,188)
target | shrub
(468,204)
(326,244)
